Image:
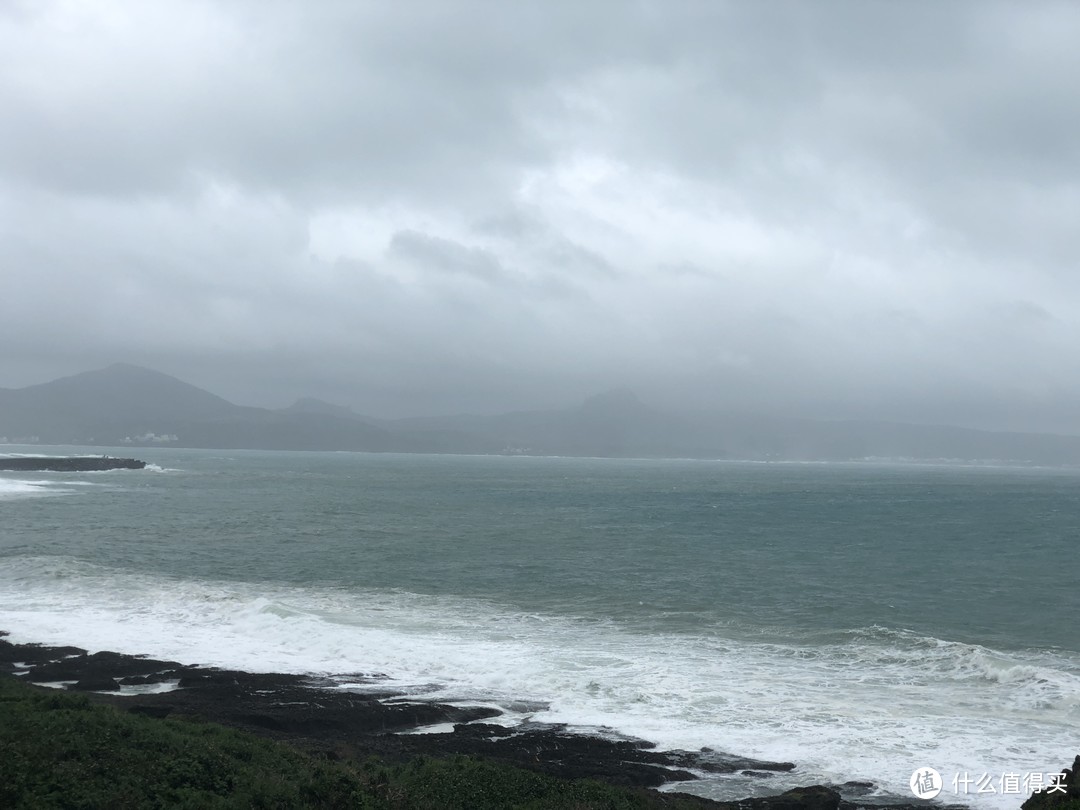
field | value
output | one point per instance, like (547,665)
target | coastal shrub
(59,750)
(465,782)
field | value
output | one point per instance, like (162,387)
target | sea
(866,620)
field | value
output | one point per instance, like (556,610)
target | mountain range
(130,405)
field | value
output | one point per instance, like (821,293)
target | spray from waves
(149,468)
(1034,679)
(51,455)
(29,455)
(11,489)
(876,704)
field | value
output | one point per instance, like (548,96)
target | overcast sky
(839,209)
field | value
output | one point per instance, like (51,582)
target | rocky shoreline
(345,725)
(68,463)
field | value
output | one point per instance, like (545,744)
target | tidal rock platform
(68,463)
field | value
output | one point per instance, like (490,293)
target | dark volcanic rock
(100,664)
(288,707)
(69,464)
(718,762)
(815,797)
(1047,799)
(547,750)
(96,684)
(34,654)
(154,677)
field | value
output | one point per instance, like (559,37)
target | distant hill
(615,423)
(120,392)
(310,405)
(125,404)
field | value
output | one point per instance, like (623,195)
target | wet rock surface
(549,750)
(338,723)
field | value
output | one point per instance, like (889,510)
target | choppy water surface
(859,620)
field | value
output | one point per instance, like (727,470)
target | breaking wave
(872,703)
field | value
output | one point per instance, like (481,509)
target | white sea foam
(30,455)
(11,489)
(875,705)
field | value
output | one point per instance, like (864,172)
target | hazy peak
(121,392)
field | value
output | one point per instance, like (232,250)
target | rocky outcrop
(553,750)
(68,463)
(1052,798)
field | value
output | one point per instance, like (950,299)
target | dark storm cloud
(836,209)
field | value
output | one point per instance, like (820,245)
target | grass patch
(60,750)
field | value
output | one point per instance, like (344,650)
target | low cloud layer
(845,210)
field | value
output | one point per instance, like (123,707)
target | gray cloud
(842,210)
(445,255)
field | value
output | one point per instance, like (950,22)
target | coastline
(322,719)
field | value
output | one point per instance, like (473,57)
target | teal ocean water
(861,620)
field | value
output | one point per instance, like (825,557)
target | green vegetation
(60,750)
